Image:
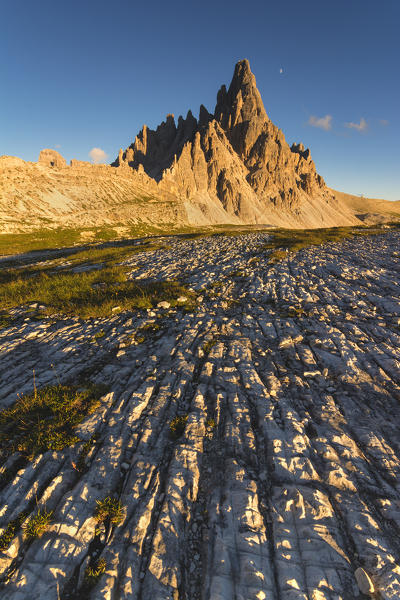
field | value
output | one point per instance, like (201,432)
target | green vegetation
(5,321)
(276,256)
(98,287)
(177,426)
(94,572)
(42,239)
(292,312)
(99,334)
(48,239)
(294,240)
(37,524)
(147,331)
(87,294)
(237,273)
(109,509)
(11,531)
(208,346)
(87,446)
(45,419)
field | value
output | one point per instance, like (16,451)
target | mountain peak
(240,110)
(236,157)
(242,75)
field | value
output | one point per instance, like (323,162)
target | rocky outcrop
(51,158)
(79,163)
(236,160)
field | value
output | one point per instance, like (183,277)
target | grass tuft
(208,346)
(37,525)
(177,426)
(109,509)
(94,572)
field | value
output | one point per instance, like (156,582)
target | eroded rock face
(284,484)
(236,157)
(51,158)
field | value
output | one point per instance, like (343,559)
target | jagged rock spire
(240,110)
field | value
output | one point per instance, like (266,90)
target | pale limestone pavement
(286,482)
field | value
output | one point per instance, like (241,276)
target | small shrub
(210,423)
(99,334)
(177,426)
(37,524)
(109,509)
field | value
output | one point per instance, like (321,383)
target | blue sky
(86,74)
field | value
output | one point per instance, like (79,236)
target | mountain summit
(235,164)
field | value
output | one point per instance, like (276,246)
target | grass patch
(148,330)
(177,426)
(49,239)
(45,419)
(109,509)
(276,256)
(11,530)
(296,239)
(5,321)
(42,239)
(37,525)
(86,294)
(237,273)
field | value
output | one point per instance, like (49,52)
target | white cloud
(98,155)
(361,126)
(321,122)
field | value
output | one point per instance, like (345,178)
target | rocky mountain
(232,166)
(235,164)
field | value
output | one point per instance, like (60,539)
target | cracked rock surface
(286,479)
